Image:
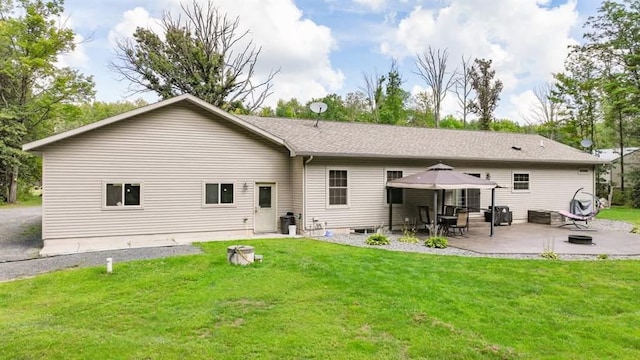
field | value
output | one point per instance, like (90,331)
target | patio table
(445,221)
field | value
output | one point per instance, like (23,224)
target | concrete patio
(529,238)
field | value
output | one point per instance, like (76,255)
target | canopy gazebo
(442,177)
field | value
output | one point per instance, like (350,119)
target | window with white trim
(218,193)
(394,195)
(520,181)
(338,187)
(123,195)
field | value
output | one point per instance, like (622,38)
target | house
(182,170)
(631,162)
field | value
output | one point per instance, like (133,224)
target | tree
(432,68)
(577,89)
(202,53)
(392,110)
(487,92)
(545,111)
(614,43)
(463,88)
(374,92)
(33,89)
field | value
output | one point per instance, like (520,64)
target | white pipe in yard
(109,265)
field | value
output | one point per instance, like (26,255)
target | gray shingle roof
(382,141)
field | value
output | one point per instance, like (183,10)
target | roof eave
(443,158)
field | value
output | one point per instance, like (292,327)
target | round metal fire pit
(581,239)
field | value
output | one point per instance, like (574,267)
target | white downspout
(304,192)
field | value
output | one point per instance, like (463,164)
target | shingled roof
(344,139)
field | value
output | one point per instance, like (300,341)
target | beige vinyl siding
(551,187)
(297,186)
(171,151)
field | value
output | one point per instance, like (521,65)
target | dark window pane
(211,194)
(226,194)
(521,181)
(132,194)
(394,195)
(338,178)
(114,194)
(264,196)
(337,196)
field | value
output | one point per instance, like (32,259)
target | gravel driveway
(20,233)
(21,241)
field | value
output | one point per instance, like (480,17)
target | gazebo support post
(493,209)
(435,213)
(390,210)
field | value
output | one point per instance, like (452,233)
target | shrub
(377,239)
(550,254)
(409,236)
(438,242)
(547,252)
(618,197)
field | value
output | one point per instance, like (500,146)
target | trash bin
(285,221)
(502,215)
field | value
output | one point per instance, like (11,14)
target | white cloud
(372,4)
(289,42)
(132,19)
(526,39)
(77,58)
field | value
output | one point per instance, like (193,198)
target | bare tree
(374,92)
(545,111)
(432,68)
(202,53)
(463,88)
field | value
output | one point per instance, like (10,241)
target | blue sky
(325,46)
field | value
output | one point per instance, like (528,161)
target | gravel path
(20,242)
(395,245)
(25,268)
(20,233)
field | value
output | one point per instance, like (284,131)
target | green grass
(627,214)
(315,300)
(27,201)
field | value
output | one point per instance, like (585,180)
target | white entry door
(266,212)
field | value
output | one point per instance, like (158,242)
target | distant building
(631,161)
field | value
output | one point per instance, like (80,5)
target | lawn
(627,214)
(315,300)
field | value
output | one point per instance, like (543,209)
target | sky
(325,46)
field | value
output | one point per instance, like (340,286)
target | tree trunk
(621,152)
(13,186)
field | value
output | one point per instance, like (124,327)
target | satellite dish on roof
(318,108)
(586,143)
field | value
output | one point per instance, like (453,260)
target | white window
(394,195)
(218,193)
(520,181)
(338,193)
(122,194)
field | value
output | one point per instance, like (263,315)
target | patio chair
(424,217)
(462,222)
(581,211)
(449,210)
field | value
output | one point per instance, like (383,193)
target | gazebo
(442,177)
